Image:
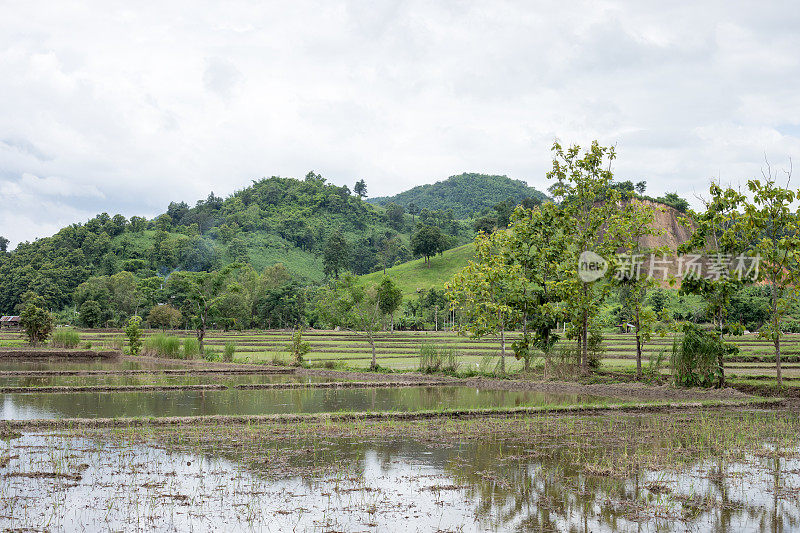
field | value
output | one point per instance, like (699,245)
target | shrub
(118,343)
(211,356)
(697,357)
(191,348)
(164,317)
(160,345)
(298,348)
(65,338)
(227,354)
(433,359)
(37,324)
(134,333)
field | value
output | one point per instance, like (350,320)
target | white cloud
(108,108)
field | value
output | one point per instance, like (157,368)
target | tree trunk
(638,345)
(201,330)
(585,332)
(391,318)
(374,360)
(777,342)
(503,349)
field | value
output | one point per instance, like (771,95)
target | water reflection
(261,402)
(356,484)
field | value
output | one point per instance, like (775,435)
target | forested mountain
(300,223)
(466,194)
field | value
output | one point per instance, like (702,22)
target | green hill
(466,194)
(273,220)
(415,274)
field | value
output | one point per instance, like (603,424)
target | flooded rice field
(656,473)
(233,402)
(155,379)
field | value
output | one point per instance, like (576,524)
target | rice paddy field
(109,442)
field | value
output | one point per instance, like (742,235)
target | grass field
(400,350)
(416,274)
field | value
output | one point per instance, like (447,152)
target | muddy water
(76,484)
(84,364)
(261,402)
(156,379)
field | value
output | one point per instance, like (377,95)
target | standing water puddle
(234,402)
(74,484)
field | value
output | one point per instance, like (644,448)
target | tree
(198,293)
(629,229)
(395,214)
(3,244)
(775,226)
(487,289)
(92,315)
(427,242)
(360,188)
(413,210)
(537,242)
(390,297)
(37,323)
(134,333)
(583,186)
(722,231)
(335,256)
(348,305)
(165,317)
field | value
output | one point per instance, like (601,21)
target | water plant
(161,345)
(191,348)
(227,353)
(65,338)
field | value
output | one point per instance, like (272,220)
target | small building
(10,322)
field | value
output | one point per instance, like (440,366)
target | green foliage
(428,241)
(298,348)
(191,348)
(36,323)
(465,194)
(773,220)
(347,304)
(433,359)
(581,179)
(697,357)
(161,345)
(133,330)
(65,338)
(164,317)
(335,256)
(228,352)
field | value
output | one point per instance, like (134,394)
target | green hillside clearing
(415,274)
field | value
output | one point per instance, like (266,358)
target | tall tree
(775,224)
(335,256)
(719,231)
(348,305)
(3,244)
(360,188)
(583,188)
(630,229)
(427,242)
(390,297)
(487,289)
(537,242)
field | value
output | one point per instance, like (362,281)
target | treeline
(555,267)
(273,220)
(465,195)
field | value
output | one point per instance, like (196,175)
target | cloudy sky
(125,106)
